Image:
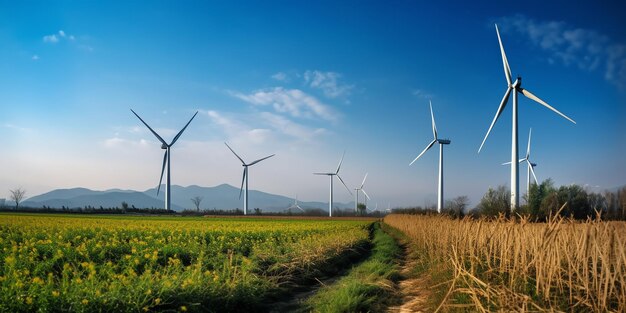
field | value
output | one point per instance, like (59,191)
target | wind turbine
(295,205)
(336,173)
(374,210)
(356,193)
(166,158)
(245,177)
(516,87)
(441,143)
(531,165)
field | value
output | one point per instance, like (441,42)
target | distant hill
(96,199)
(224,197)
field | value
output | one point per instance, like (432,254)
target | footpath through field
(384,281)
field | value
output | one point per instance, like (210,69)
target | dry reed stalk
(569,264)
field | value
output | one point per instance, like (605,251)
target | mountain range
(221,197)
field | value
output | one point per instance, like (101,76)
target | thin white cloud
(86,48)
(51,38)
(35,57)
(61,35)
(586,49)
(420,93)
(328,83)
(280,76)
(290,128)
(294,102)
(17,128)
(263,127)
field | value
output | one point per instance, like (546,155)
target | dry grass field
(495,265)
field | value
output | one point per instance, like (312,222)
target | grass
(368,286)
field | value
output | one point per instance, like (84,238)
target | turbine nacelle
(164,146)
(517,83)
(444,141)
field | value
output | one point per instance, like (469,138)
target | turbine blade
(424,151)
(340,161)
(432,117)
(150,128)
(182,130)
(233,151)
(365,193)
(162,171)
(531,96)
(533,171)
(243,179)
(344,184)
(259,160)
(364,178)
(506,163)
(505,61)
(495,118)
(323,173)
(528,149)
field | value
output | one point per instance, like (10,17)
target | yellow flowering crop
(123,264)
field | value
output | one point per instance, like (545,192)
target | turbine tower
(441,143)
(516,87)
(330,175)
(530,164)
(245,177)
(356,193)
(166,158)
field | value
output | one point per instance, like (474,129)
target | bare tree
(457,206)
(17,195)
(196,201)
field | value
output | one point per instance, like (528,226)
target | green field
(121,263)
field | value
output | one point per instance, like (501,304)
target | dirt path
(414,291)
(297,299)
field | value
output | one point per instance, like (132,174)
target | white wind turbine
(295,205)
(516,87)
(245,177)
(441,143)
(356,194)
(330,175)
(374,210)
(530,164)
(166,158)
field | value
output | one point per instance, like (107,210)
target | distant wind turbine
(356,194)
(295,205)
(375,209)
(441,143)
(530,164)
(245,177)
(166,158)
(516,87)
(330,175)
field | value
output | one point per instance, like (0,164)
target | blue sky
(307,80)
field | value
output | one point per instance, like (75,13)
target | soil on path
(413,289)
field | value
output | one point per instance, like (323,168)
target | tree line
(542,201)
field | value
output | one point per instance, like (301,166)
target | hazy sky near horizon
(307,80)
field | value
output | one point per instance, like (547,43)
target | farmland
(78,263)
(512,265)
